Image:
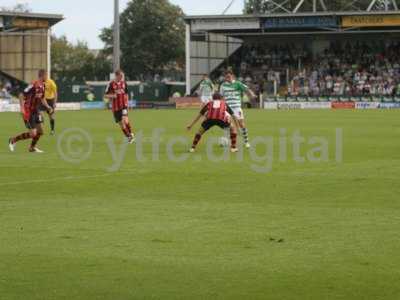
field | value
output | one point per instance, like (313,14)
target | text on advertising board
(23,23)
(302,22)
(225,24)
(371,21)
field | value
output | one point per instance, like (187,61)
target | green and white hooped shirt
(233,93)
(206,88)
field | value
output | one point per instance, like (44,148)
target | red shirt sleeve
(28,90)
(110,88)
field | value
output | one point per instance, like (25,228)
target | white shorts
(206,99)
(238,113)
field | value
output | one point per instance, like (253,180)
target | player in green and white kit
(206,89)
(233,90)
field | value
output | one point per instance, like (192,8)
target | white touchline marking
(55,179)
(73,178)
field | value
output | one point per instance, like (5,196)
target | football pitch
(94,219)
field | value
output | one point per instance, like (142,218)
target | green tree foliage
(76,62)
(18,8)
(152,37)
(256,6)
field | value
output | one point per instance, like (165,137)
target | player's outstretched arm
(110,96)
(190,126)
(48,107)
(200,115)
(251,94)
(109,92)
(247,90)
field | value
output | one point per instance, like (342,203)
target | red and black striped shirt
(217,110)
(120,89)
(33,96)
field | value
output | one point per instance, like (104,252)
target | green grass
(198,229)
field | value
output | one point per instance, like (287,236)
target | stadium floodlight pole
(188,60)
(117,45)
(49,52)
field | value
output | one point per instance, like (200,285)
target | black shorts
(119,114)
(50,102)
(207,124)
(34,120)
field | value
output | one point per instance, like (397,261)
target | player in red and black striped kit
(31,101)
(117,92)
(216,113)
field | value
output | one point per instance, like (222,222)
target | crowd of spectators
(5,89)
(343,68)
(351,69)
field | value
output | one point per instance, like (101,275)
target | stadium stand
(332,54)
(359,68)
(25,43)
(9,86)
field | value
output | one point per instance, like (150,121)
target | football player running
(117,92)
(31,102)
